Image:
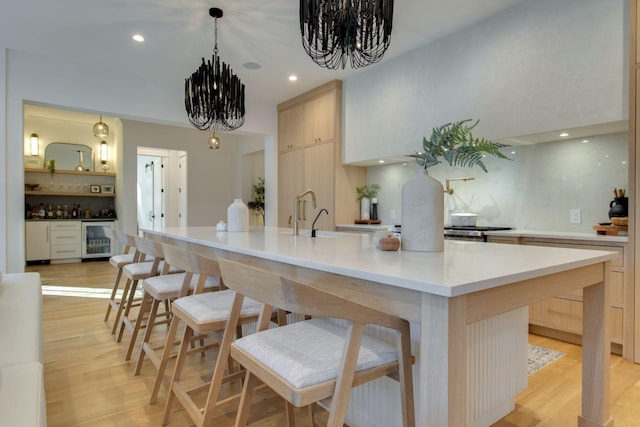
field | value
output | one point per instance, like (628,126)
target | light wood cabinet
(37,241)
(561,316)
(316,163)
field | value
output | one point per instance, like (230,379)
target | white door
(150,192)
(182,191)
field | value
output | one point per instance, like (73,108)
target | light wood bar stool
(136,272)
(127,256)
(312,360)
(128,271)
(204,313)
(158,289)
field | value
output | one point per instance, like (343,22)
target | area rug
(539,357)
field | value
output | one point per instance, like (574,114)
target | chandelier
(213,95)
(334,31)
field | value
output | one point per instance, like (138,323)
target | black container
(619,207)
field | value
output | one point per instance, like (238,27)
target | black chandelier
(334,30)
(213,95)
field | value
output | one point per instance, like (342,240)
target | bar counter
(445,293)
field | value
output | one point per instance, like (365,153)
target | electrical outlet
(575,216)
(392,214)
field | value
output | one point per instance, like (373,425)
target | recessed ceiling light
(293,78)
(380,161)
(563,134)
(138,37)
(251,65)
(584,141)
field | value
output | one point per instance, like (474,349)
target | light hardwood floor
(88,383)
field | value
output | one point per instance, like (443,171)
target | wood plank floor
(88,383)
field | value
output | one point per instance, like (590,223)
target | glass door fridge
(94,242)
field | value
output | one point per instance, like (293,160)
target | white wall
(535,190)
(538,66)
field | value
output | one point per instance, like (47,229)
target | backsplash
(535,190)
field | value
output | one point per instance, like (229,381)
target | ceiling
(178,33)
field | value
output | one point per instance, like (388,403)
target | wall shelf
(67,193)
(69,172)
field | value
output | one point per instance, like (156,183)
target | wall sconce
(34,145)
(104,152)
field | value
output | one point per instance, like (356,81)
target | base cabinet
(65,240)
(561,316)
(37,241)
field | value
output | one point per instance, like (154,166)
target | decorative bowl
(31,186)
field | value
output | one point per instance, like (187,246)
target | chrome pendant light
(100,129)
(213,95)
(335,32)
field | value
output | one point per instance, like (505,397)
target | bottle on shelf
(74,212)
(65,213)
(58,212)
(42,213)
(50,212)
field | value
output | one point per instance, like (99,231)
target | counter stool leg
(121,306)
(114,292)
(166,355)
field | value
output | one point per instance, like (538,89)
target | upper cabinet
(307,119)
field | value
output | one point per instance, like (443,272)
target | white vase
(237,216)
(365,207)
(422,214)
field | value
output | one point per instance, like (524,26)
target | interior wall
(538,66)
(211,174)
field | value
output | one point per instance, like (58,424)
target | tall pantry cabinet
(310,157)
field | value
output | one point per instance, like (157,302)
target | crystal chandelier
(213,95)
(334,31)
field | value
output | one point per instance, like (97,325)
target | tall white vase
(365,208)
(237,216)
(422,214)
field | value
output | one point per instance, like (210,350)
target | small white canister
(237,216)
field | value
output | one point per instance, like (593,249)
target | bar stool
(167,288)
(204,313)
(136,272)
(312,360)
(129,271)
(128,256)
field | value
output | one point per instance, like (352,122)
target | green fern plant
(454,143)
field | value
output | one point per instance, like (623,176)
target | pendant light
(100,129)
(357,31)
(213,95)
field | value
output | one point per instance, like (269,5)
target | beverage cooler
(94,242)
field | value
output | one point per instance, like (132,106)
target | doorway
(161,188)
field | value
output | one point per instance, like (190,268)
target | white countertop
(559,235)
(462,268)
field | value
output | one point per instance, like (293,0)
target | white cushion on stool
(310,352)
(169,285)
(22,401)
(212,306)
(120,261)
(144,269)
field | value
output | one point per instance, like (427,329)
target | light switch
(575,216)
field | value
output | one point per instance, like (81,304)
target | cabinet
(65,240)
(309,129)
(37,241)
(561,316)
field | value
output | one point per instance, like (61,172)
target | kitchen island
(445,293)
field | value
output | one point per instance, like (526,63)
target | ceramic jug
(619,207)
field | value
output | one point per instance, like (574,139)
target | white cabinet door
(37,240)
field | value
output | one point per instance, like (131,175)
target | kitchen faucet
(295,208)
(313,226)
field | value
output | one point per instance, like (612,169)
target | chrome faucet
(295,208)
